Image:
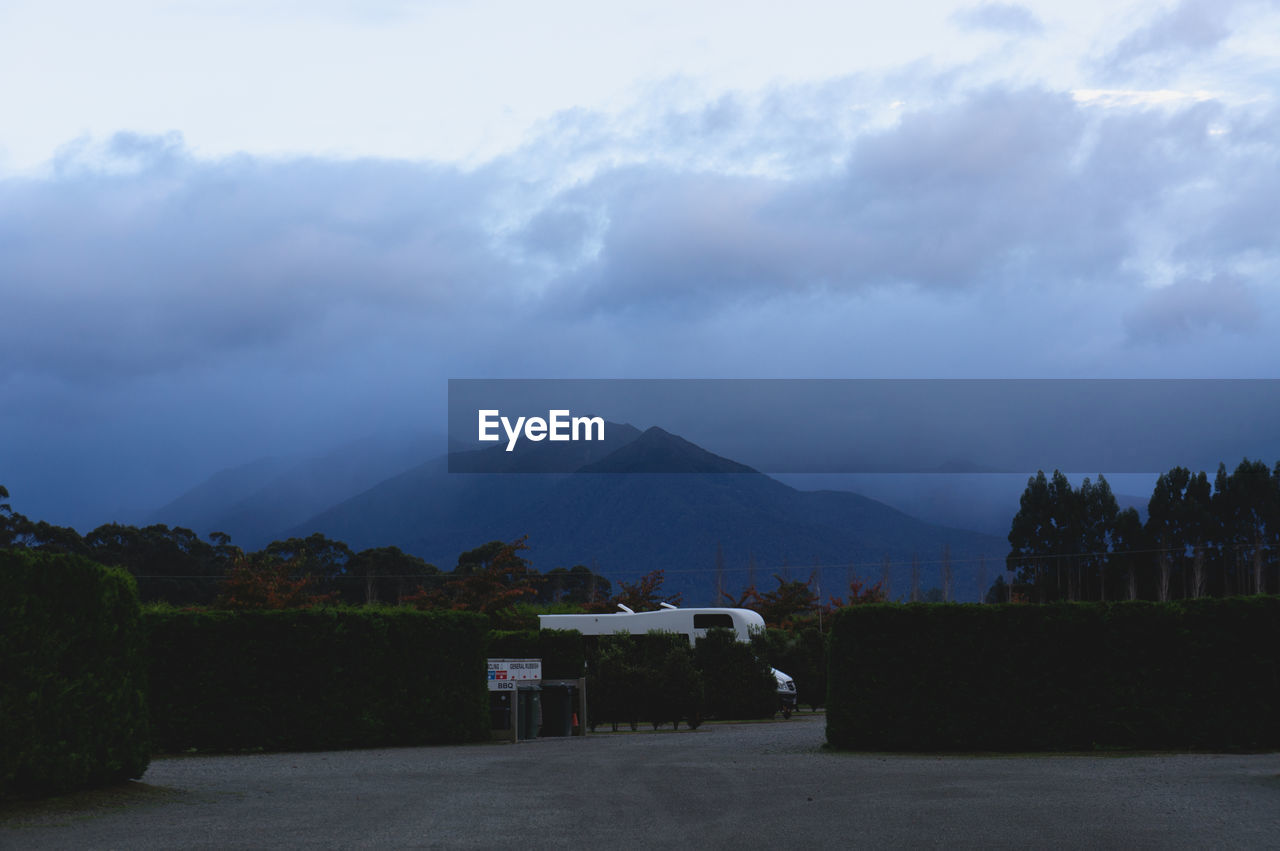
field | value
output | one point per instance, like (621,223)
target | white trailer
(691,623)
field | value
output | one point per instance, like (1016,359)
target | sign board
(505,674)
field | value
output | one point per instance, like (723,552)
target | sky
(231,230)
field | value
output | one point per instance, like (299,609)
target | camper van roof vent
(668,606)
(626,609)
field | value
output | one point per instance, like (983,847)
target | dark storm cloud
(999,17)
(138,258)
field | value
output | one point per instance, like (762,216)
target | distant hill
(624,521)
(203,506)
(255,502)
(983,502)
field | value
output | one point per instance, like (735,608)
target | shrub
(73,707)
(680,693)
(651,677)
(802,655)
(1196,673)
(614,690)
(738,682)
(316,678)
(562,651)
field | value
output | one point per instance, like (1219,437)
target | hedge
(802,655)
(315,679)
(659,678)
(562,651)
(1188,674)
(73,709)
(738,681)
(651,678)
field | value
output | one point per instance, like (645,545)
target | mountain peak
(545,457)
(657,450)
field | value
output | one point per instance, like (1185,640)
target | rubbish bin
(557,709)
(530,715)
(499,710)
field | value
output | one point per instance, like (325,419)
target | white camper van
(691,623)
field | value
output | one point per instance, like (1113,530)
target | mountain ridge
(624,521)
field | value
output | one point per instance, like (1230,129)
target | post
(582,706)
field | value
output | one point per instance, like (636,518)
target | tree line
(1200,538)
(175,565)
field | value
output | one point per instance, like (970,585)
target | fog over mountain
(219,242)
(613,514)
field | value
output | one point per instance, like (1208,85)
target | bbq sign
(504,674)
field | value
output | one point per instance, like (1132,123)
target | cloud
(999,17)
(135,257)
(188,311)
(1186,308)
(1189,28)
(999,189)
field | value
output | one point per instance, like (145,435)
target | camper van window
(709,621)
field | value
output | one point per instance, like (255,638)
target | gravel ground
(722,786)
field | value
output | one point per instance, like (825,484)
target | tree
(1097,519)
(643,595)
(998,592)
(315,555)
(791,600)
(263,581)
(1033,534)
(1060,539)
(479,559)
(1178,521)
(1129,549)
(171,564)
(1246,505)
(579,584)
(860,594)
(491,585)
(388,574)
(12,526)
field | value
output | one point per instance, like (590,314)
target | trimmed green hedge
(738,681)
(801,655)
(651,678)
(1195,673)
(563,651)
(73,709)
(315,679)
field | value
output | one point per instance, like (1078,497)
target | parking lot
(722,786)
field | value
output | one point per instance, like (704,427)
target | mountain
(201,507)
(427,509)
(617,515)
(984,502)
(254,503)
